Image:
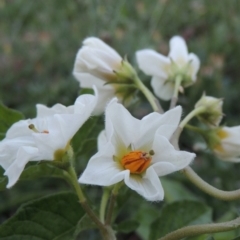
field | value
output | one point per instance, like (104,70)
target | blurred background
(39,41)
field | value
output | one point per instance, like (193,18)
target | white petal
(19,129)
(87,80)
(125,126)
(102,170)
(44,111)
(178,50)
(104,97)
(162,88)
(152,63)
(149,185)
(194,65)
(102,140)
(165,153)
(9,149)
(163,124)
(24,155)
(97,43)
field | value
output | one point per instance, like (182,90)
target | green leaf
(50,218)
(7,118)
(175,191)
(84,142)
(85,223)
(36,171)
(127,226)
(179,214)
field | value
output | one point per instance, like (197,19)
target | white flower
(95,65)
(136,151)
(98,64)
(227,146)
(165,69)
(46,137)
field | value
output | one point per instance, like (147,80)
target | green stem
(192,114)
(209,189)
(174,99)
(82,199)
(195,230)
(103,205)
(112,202)
(195,129)
(148,94)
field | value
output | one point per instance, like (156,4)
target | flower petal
(178,50)
(44,111)
(125,126)
(162,88)
(97,43)
(194,65)
(149,185)
(102,170)
(163,124)
(152,63)
(165,153)
(24,155)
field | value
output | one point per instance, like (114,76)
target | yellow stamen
(136,161)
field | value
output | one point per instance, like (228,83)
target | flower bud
(224,142)
(213,114)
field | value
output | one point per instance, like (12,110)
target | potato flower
(100,65)
(46,137)
(164,70)
(136,151)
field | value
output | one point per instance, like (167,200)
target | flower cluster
(136,152)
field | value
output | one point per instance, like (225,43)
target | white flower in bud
(213,114)
(100,65)
(136,151)
(164,70)
(46,137)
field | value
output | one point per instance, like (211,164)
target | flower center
(222,134)
(137,161)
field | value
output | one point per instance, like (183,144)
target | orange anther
(136,161)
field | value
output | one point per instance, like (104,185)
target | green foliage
(127,226)
(85,140)
(179,214)
(50,218)
(7,118)
(175,191)
(36,171)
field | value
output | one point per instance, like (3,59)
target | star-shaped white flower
(164,69)
(136,151)
(45,137)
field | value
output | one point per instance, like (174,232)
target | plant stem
(112,202)
(195,230)
(148,94)
(209,189)
(83,202)
(174,99)
(103,205)
(192,114)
